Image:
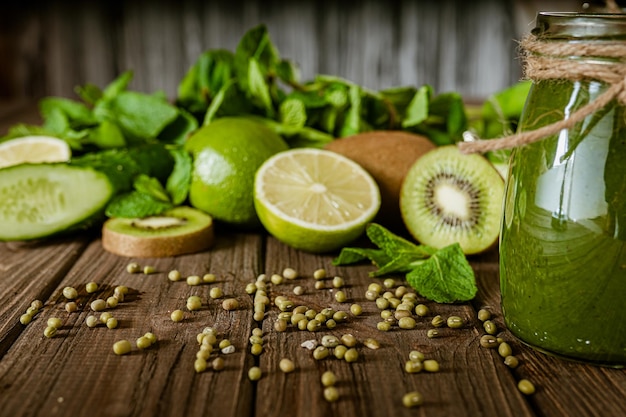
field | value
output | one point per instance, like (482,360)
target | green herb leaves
(110,118)
(442,275)
(255,81)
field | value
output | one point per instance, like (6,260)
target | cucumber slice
(39,200)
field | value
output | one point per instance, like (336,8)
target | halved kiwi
(450,197)
(175,232)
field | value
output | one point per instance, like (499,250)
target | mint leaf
(442,275)
(107,135)
(144,116)
(349,256)
(152,187)
(136,205)
(445,277)
(178,182)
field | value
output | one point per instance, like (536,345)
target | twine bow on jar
(605,62)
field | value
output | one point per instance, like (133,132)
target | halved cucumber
(39,200)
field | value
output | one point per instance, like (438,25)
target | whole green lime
(226,154)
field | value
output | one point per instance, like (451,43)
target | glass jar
(563,240)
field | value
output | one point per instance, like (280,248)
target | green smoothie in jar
(562,247)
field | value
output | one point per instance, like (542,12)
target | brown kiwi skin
(387,155)
(141,247)
(127,245)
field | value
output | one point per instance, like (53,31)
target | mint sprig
(441,275)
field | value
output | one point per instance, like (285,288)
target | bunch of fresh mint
(255,81)
(441,275)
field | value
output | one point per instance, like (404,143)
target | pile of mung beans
(398,305)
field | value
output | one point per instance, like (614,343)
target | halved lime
(33,149)
(314,200)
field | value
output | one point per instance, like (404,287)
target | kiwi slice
(449,197)
(177,231)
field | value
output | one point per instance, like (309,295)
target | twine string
(575,62)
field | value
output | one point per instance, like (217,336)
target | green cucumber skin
(117,167)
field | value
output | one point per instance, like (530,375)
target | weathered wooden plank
(77,373)
(564,388)
(30,271)
(471,382)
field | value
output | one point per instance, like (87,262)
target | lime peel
(315,200)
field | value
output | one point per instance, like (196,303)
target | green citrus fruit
(226,155)
(314,200)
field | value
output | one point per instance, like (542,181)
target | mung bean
(133,268)
(331,394)
(177,315)
(412,399)
(91,287)
(328,379)
(526,387)
(431,365)
(286,365)
(70,293)
(174,275)
(122,347)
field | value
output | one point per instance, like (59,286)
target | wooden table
(76,373)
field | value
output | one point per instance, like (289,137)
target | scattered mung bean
(70,293)
(112,302)
(432,333)
(148,269)
(340,297)
(371,343)
(122,347)
(112,323)
(351,355)
(143,342)
(133,268)
(55,322)
(256,349)
(330,341)
(209,278)
(412,399)
(230,304)
(338,282)
(504,349)
(218,364)
(290,273)
(455,322)
(298,290)
(71,307)
(356,309)
(50,331)
(177,315)
(193,280)
(488,341)
(216,292)
(490,327)
(319,285)
(320,352)
(431,365)
(383,326)
(407,323)
(26,318)
(437,321)
(194,303)
(413,367)
(174,275)
(92,321)
(331,394)
(255,373)
(348,340)
(98,305)
(200,365)
(286,365)
(91,287)
(36,304)
(484,314)
(416,355)
(511,361)
(526,387)
(319,273)
(340,351)
(328,379)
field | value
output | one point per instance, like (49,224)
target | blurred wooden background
(49,47)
